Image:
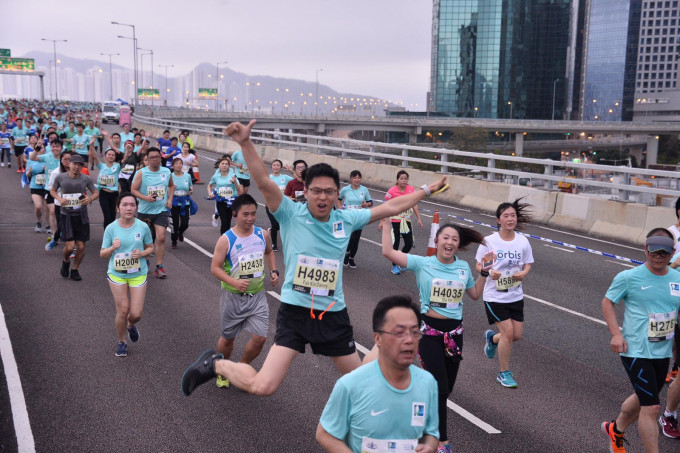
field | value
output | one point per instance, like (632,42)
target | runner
(189,161)
(315,237)
(126,134)
(181,202)
(64,165)
(171,152)
(18,139)
(74,222)
(5,147)
(295,190)
(243,174)
(93,131)
(154,188)
(82,143)
(503,293)
(238,262)
(68,134)
(36,172)
(107,183)
(281,181)
(651,293)
(164,142)
(126,241)
(401,223)
(354,196)
(387,405)
(223,187)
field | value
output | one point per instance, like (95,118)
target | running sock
(667,413)
(616,430)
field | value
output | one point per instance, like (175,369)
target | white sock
(667,413)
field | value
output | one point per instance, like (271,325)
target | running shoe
(73,254)
(50,245)
(121,350)
(444,448)
(403,269)
(9,165)
(346,262)
(352,264)
(133,334)
(2,165)
(75,275)
(200,372)
(215,221)
(19,170)
(615,440)
(395,270)
(669,427)
(174,246)
(506,380)
(489,346)
(64,268)
(38,227)
(670,377)
(47,230)
(222,382)
(160,272)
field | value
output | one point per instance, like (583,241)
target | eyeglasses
(154,157)
(661,253)
(402,334)
(300,167)
(329,192)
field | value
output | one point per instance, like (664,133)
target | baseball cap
(77,159)
(659,244)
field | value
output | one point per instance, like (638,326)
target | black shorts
(244,182)
(41,192)
(331,336)
(648,377)
(497,312)
(73,229)
(155,219)
(49,199)
(19,150)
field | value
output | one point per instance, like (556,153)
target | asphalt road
(80,397)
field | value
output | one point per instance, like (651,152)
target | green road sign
(207,93)
(17,64)
(5,53)
(148,93)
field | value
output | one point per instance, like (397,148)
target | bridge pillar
(491,163)
(519,144)
(412,138)
(637,153)
(344,147)
(371,158)
(549,171)
(445,168)
(652,149)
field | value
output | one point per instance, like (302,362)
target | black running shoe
(64,268)
(200,372)
(75,275)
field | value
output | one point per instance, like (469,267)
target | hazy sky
(372,47)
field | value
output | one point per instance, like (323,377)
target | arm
(396,256)
(148,250)
(476,291)
(93,156)
(521,275)
(400,204)
(216,267)
(618,343)
(258,171)
(107,252)
(136,185)
(270,258)
(29,171)
(239,187)
(329,443)
(90,198)
(417,213)
(171,193)
(428,444)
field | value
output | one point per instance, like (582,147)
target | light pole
(149,52)
(217,84)
(166,66)
(316,101)
(134,53)
(110,73)
(56,80)
(510,104)
(553,104)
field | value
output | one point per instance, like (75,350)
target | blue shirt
(38,174)
(4,139)
(182,185)
(649,300)
(281,180)
(242,172)
(364,408)
(164,144)
(121,264)
(441,286)
(352,199)
(108,176)
(314,252)
(170,154)
(156,182)
(81,143)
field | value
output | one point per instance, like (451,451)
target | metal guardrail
(400,152)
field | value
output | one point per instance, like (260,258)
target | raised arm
(258,171)
(401,204)
(396,256)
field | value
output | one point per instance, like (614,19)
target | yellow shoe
(222,382)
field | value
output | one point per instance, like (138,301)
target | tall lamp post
(166,66)
(56,81)
(553,104)
(110,73)
(134,53)
(150,52)
(510,104)
(217,84)
(316,101)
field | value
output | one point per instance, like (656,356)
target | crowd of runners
(385,403)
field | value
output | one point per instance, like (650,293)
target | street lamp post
(150,52)
(510,104)
(166,66)
(553,104)
(56,80)
(110,73)
(217,84)
(316,101)
(134,54)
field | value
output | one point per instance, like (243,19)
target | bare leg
(160,244)
(649,432)
(630,411)
(372,355)
(673,397)
(225,347)
(347,363)
(37,204)
(120,297)
(510,331)
(137,297)
(68,248)
(80,254)
(253,348)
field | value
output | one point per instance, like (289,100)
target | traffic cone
(197,175)
(431,247)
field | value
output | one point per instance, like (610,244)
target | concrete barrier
(609,219)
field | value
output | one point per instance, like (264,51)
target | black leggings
(275,227)
(107,201)
(225,216)
(125,184)
(408,237)
(353,245)
(180,223)
(57,214)
(441,366)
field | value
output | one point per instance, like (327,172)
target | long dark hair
(520,208)
(467,235)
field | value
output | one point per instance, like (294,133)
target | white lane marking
(372,242)
(22,426)
(451,405)
(194,245)
(620,263)
(559,248)
(558,307)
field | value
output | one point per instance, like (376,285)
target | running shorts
(133,282)
(497,312)
(648,377)
(244,311)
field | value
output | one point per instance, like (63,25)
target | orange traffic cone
(431,247)
(197,175)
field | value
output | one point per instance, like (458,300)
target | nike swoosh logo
(309,222)
(374,413)
(645,287)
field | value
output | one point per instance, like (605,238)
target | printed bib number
(446,293)
(158,191)
(181,193)
(72,200)
(251,265)
(507,280)
(128,169)
(40,179)
(125,263)
(282,188)
(299,195)
(80,145)
(369,445)
(316,275)
(4,141)
(107,180)
(661,326)
(225,192)
(20,140)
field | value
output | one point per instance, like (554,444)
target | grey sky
(372,47)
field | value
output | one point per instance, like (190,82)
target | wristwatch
(275,272)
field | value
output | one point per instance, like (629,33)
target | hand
(233,179)
(365,205)
(519,276)
(489,259)
(136,253)
(495,275)
(420,224)
(424,448)
(116,244)
(168,204)
(238,132)
(435,186)
(273,279)
(242,285)
(85,201)
(618,343)
(151,198)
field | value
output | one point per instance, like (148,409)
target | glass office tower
(500,58)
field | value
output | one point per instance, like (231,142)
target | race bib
(316,275)
(243,170)
(158,191)
(507,280)
(125,263)
(283,188)
(4,141)
(181,193)
(251,265)
(661,326)
(128,169)
(107,180)
(40,179)
(299,195)
(446,293)
(164,149)
(225,192)
(80,145)
(369,445)
(72,200)
(20,140)
(349,206)
(185,168)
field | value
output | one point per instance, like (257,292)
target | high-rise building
(657,62)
